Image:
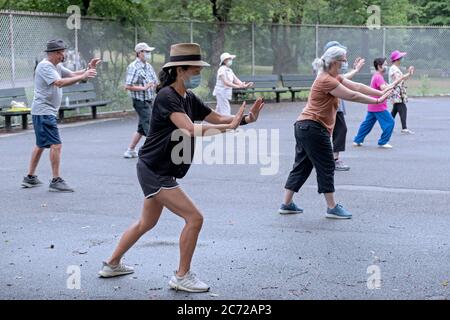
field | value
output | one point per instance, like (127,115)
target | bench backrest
(8,95)
(364,78)
(297,80)
(262,81)
(79,93)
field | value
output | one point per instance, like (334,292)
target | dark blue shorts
(46,130)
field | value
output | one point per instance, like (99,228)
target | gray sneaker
(190,283)
(31,182)
(109,271)
(341,166)
(59,185)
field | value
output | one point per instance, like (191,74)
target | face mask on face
(229,63)
(193,82)
(344,67)
(147,56)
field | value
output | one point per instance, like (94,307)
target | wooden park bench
(81,96)
(262,83)
(297,83)
(6,97)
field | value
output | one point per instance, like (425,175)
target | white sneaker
(407,131)
(129,154)
(385,146)
(357,144)
(109,271)
(189,283)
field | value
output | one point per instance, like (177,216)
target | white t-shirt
(220,87)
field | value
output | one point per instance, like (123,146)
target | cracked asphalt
(399,198)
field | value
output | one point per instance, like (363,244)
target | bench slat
(79,88)
(88,104)
(74,97)
(12,92)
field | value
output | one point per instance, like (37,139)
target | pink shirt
(376,83)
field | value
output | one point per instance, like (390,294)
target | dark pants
(339,133)
(313,150)
(144,111)
(400,108)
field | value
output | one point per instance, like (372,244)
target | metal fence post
(317,40)
(253,48)
(384,42)
(191,25)
(135,34)
(13,56)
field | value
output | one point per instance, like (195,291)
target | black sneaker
(59,185)
(31,182)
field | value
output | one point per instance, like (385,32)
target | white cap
(143,47)
(224,56)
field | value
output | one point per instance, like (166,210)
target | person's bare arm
(64,82)
(357,66)
(343,92)
(184,123)
(362,88)
(141,88)
(91,65)
(228,83)
(217,118)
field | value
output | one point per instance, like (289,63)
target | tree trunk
(220,12)
(285,52)
(217,50)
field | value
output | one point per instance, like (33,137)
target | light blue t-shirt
(47,96)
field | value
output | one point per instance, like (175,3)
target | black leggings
(400,108)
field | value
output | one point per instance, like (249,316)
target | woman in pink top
(377,112)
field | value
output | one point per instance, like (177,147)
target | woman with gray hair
(315,125)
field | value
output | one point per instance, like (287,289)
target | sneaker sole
(175,287)
(332,216)
(60,191)
(104,274)
(342,169)
(280,211)
(27,185)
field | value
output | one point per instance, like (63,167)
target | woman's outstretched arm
(343,92)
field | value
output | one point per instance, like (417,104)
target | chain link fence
(260,49)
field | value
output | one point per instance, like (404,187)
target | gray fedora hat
(56,45)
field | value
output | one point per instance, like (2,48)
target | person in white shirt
(226,81)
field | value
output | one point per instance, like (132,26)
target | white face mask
(147,56)
(229,63)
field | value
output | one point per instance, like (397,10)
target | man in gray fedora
(50,77)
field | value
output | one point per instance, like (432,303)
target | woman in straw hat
(226,81)
(162,161)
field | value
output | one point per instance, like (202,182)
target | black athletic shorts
(152,183)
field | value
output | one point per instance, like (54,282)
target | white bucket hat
(224,56)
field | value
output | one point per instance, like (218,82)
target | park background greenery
(218,21)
